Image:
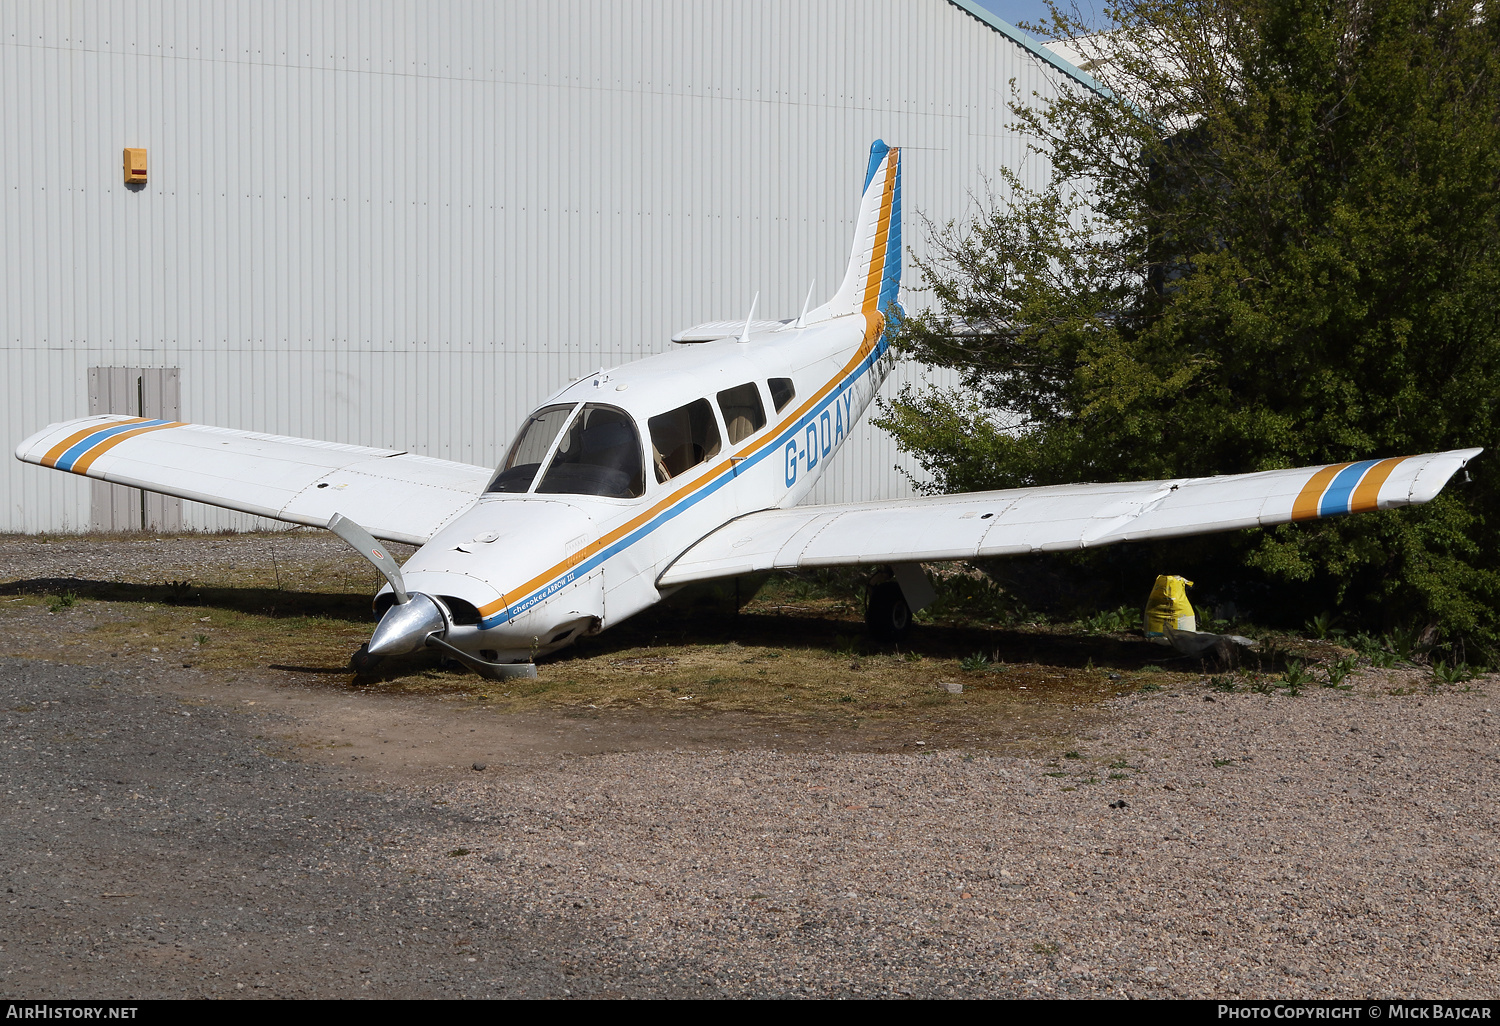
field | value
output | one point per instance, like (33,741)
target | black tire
(362,663)
(887,614)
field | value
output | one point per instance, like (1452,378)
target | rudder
(873,278)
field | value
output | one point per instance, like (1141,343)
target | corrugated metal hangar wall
(402,224)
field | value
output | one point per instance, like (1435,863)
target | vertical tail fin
(874,274)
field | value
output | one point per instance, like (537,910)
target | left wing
(1024,520)
(396,496)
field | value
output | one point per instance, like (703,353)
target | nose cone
(406,627)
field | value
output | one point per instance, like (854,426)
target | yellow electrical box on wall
(135,166)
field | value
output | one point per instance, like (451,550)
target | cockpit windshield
(597,452)
(529,449)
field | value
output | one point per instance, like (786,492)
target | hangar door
(138,392)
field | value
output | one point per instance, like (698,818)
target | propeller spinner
(416,621)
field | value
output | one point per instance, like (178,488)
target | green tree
(1272,239)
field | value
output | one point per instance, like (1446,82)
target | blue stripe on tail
(890,278)
(878,150)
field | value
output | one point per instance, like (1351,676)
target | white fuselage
(521,575)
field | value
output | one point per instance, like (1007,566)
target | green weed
(1112,621)
(1295,676)
(1337,671)
(1452,673)
(1322,628)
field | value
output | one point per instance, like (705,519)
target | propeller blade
(483,667)
(371,550)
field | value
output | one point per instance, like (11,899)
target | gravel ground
(1344,847)
(263,835)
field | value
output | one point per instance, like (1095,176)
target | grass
(793,650)
(811,667)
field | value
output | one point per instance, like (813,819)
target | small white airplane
(687,466)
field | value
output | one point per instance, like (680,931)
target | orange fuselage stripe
(1306,506)
(55,453)
(874,324)
(1367,496)
(82,464)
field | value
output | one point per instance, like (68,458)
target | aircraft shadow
(666,624)
(273,602)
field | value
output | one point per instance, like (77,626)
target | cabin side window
(682,439)
(743,413)
(782,392)
(529,449)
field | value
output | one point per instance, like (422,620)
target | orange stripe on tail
(882,235)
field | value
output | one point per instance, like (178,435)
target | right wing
(1024,520)
(394,495)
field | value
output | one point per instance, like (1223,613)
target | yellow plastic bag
(1168,606)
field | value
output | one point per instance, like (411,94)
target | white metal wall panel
(402,224)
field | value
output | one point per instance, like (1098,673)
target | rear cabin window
(782,392)
(743,413)
(682,439)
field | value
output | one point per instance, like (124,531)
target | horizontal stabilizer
(711,331)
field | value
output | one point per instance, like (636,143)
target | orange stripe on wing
(55,453)
(82,464)
(882,234)
(1306,506)
(1367,496)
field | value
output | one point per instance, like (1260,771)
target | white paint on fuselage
(546,569)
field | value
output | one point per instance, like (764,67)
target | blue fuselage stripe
(688,501)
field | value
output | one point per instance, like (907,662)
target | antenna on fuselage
(745,335)
(803,315)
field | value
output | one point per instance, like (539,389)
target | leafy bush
(1300,277)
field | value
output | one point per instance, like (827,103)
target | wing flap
(1026,520)
(396,496)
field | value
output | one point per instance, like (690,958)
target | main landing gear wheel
(887,614)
